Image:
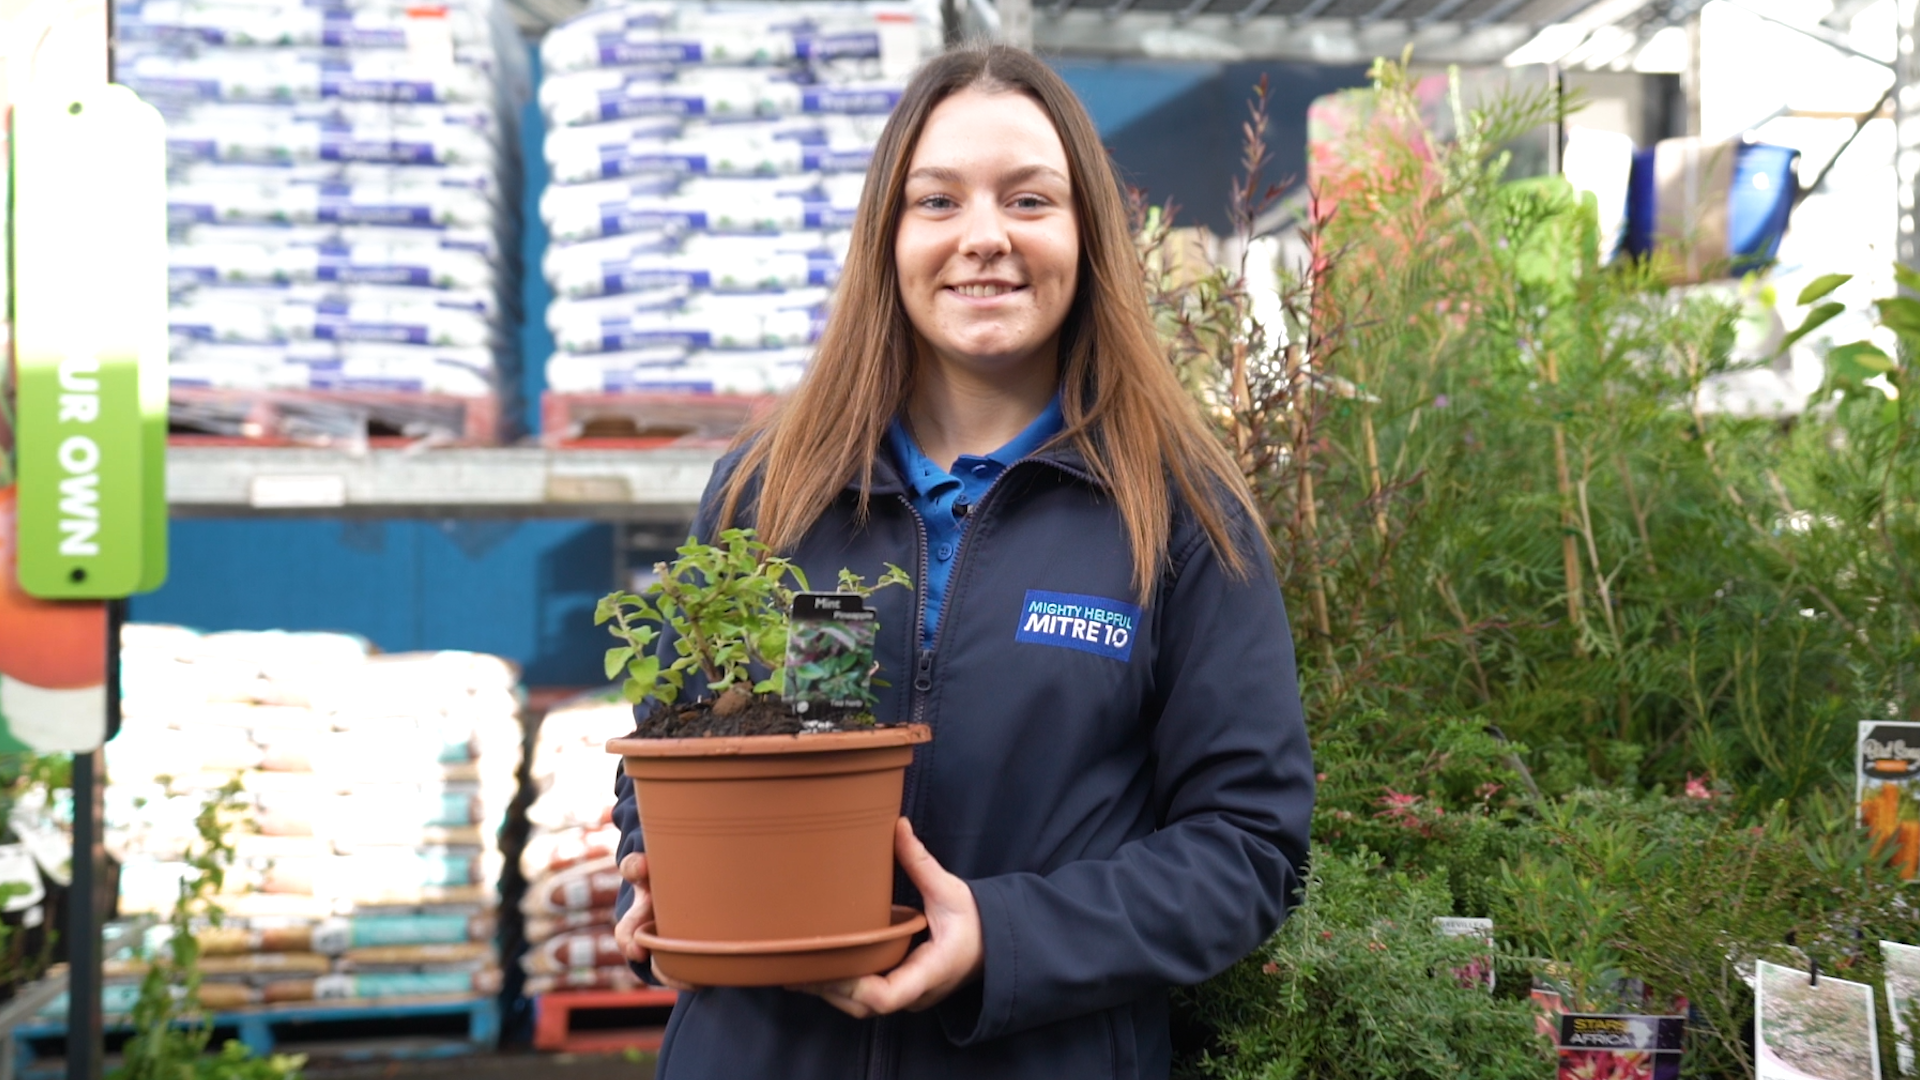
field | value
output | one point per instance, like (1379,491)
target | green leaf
(1900,314)
(1821,286)
(1859,360)
(617,658)
(645,670)
(1812,322)
(1906,277)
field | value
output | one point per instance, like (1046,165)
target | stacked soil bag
(568,860)
(375,785)
(706,161)
(343,199)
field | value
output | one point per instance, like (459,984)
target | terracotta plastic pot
(771,856)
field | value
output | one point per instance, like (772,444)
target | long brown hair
(1125,411)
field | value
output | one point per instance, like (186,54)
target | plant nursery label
(830,651)
(1091,624)
(1902,966)
(1479,972)
(1887,784)
(1808,1029)
(1620,1046)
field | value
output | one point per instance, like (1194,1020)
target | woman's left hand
(943,964)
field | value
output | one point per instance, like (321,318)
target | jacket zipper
(880,1045)
(880,1038)
(923,657)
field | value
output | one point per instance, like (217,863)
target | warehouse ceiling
(1581,34)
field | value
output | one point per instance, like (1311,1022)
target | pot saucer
(792,962)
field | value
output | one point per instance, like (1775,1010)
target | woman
(1116,796)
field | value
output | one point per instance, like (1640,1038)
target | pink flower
(1408,812)
(1697,788)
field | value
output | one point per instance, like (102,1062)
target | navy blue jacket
(1126,793)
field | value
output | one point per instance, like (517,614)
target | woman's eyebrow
(942,174)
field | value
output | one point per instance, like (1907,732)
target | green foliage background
(1578,653)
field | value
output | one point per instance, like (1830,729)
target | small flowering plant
(729,605)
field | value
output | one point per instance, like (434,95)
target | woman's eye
(938,202)
(1029,202)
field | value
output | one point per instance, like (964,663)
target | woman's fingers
(952,955)
(922,868)
(634,869)
(837,995)
(624,930)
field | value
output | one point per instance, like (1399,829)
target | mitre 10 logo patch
(1092,624)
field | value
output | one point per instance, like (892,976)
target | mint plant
(728,605)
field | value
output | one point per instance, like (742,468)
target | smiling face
(988,248)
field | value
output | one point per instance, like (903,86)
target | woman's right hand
(634,869)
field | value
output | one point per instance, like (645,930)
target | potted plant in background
(767,793)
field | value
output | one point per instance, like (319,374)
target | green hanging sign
(90,294)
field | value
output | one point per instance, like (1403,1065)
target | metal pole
(87,901)
(84,1030)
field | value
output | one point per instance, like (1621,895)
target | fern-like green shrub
(1358,986)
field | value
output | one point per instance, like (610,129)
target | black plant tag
(830,652)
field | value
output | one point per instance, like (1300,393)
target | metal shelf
(656,486)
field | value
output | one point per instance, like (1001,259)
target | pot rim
(904,922)
(741,745)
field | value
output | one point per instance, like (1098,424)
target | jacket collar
(888,481)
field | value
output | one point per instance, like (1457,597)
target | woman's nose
(984,231)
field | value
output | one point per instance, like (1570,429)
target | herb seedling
(728,605)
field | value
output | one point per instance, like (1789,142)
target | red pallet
(646,421)
(640,1014)
(201,417)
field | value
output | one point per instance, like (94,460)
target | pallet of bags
(343,202)
(373,788)
(706,160)
(568,859)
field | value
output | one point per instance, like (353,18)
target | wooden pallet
(645,421)
(601,1021)
(356,1031)
(199,416)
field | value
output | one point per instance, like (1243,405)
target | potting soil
(767,714)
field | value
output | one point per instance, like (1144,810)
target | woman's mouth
(985,290)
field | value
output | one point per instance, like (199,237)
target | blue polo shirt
(943,498)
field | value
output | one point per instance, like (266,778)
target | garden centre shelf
(658,485)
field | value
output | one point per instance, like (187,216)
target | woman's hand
(942,965)
(634,869)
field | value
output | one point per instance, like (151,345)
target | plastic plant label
(1620,1046)
(1480,972)
(1809,1026)
(1887,788)
(830,652)
(1902,966)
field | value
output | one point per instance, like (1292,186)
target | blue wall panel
(524,590)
